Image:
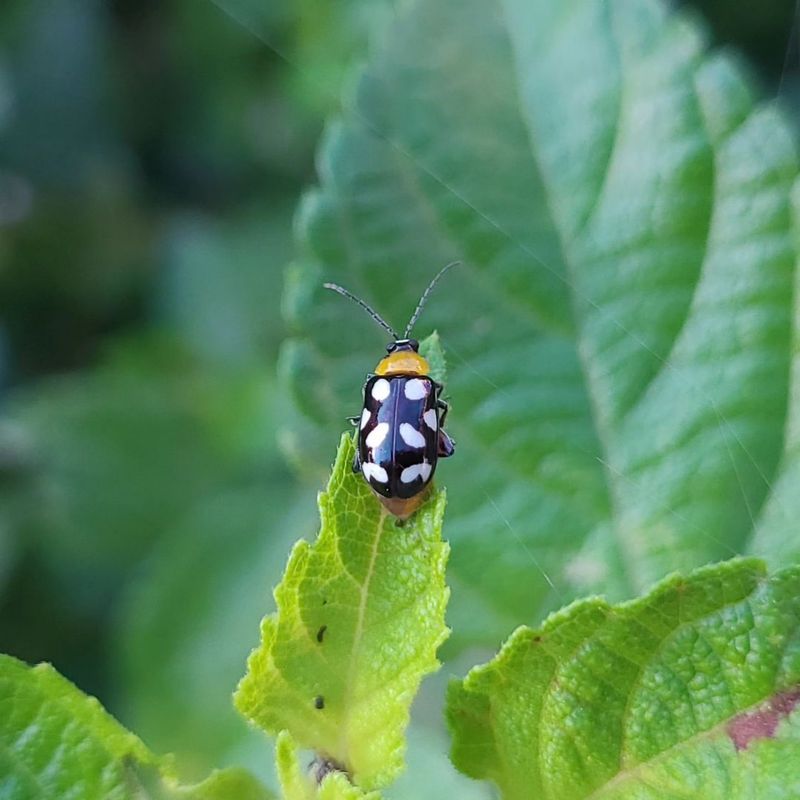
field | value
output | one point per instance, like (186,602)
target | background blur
(152,153)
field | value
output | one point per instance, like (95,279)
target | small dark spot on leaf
(400,523)
(762,723)
(537,639)
(319,702)
(324,601)
(321,633)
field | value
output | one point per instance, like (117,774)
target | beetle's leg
(444,408)
(446,446)
(353,420)
(356,462)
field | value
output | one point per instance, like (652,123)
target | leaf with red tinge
(763,722)
(689,691)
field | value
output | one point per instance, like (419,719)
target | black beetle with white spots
(401,433)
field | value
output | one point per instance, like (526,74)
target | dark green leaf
(620,334)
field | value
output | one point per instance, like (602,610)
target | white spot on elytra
(374,471)
(377,434)
(365,415)
(415,389)
(380,390)
(431,420)
(410,474)
(411,436)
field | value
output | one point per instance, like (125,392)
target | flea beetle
(400,429)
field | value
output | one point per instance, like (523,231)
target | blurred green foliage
(152,153)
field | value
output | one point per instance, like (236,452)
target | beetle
(401,433)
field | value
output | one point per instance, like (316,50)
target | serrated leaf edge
(523,635)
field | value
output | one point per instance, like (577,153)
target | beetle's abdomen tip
(402,507)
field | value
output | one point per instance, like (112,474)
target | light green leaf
(620,332)
(297,785)
(431,348)
(689,691)
(56,742)
(360,617)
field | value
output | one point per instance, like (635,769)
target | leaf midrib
(602,434)
(358,633)
(625,556)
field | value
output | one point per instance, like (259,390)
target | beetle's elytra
(401,427)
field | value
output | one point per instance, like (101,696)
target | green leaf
(620,332)
(431,348)
(360,614)
(325,40)
(329,39)
(106,445)
(776,530)
(57,742)
(689,691)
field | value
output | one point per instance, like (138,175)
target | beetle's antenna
(424,298)
(374,314)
